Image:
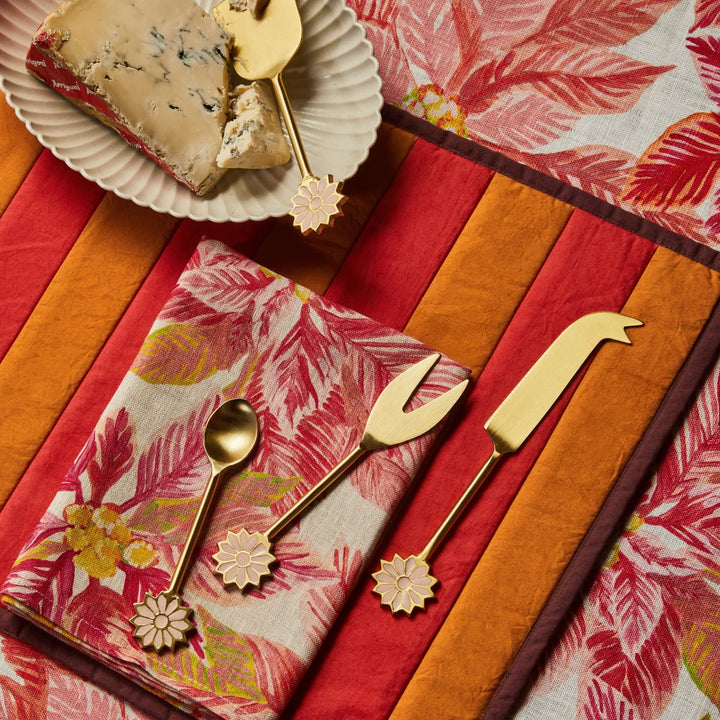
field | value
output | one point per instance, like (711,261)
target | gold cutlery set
(244,558)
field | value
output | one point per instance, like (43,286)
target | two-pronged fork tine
(243,558)
(388,424)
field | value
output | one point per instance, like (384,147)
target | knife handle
(460,506)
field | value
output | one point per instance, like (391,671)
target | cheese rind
(159,73)
(253,138)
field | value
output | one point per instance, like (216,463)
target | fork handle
(315,492)
(287,114)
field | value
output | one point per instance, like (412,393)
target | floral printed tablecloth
(558,131)
(620,99)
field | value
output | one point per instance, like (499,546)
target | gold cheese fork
(244,558)
(263,47)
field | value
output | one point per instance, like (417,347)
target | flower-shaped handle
(316,204)
(243,558)
(403,584)
(161,621)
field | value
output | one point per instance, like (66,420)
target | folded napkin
(33,686)
(312,371)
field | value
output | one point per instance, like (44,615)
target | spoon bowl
(231,434)
(262,48)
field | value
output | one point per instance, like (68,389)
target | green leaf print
(181,354)
(228,668)
(701,653)
(261,489)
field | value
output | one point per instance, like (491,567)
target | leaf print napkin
(312,371)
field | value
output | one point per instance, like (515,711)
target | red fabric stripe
(37,230)
(41,481)
(593,266)
(409,234)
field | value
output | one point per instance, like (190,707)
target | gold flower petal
(383,577)
(141,631)
(151,603)
(316,203)
(399,565)
(404,584)
(389,568)
(224,565)
(249,563)
(161,621)
(179,614)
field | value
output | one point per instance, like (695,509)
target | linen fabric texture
(312,370)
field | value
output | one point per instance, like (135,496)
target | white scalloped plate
(333,86)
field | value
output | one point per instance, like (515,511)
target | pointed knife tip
(627,323)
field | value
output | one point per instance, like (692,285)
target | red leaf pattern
(707,15)
(706,55)
(603,702)
(680,168)
(609,23)
(312,371)
(114,455)
(518,76)
(585,80)
(653,607)
(34,687)
(597,169)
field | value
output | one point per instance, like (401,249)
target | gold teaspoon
(231,433)
(244,558)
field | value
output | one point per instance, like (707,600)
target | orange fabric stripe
(513,228)
(70,324)
(410,234)
(313,261)
(579,465)
(18,151)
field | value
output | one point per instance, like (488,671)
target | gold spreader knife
(263,47)
(243,558)
(405,583)
(161,621)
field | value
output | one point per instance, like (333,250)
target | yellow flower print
(430,103)
(100,559)
(79,538)
(111,522)
(80,515)
(101,540)
(140,554)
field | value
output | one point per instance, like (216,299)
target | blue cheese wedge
(253,138)
(156,71)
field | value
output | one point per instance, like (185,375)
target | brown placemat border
(624,496)
(552,186)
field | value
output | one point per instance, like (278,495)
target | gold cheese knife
(405,583)
(263,47)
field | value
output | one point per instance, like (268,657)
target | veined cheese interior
(253,137)
(161,66)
